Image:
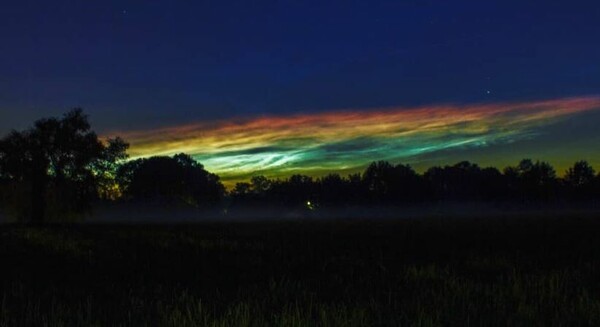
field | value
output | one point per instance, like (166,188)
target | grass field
(428,272)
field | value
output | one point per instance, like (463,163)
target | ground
(426,272)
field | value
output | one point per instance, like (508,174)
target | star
(124,12)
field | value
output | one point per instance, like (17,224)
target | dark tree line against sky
(59,167)
(170,180)
(383,183)
(57,164)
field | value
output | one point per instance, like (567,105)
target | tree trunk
(38,195)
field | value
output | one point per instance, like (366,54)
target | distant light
(309,205)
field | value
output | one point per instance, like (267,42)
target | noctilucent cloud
(282,87)
(347,140)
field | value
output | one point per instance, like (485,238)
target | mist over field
(142,214)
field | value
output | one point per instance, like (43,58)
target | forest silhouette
(59,167)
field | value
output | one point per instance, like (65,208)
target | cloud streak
(348,139)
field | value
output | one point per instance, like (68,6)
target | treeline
(56,169)
(383,183)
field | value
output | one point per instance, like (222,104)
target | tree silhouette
(59,166)
(332,189)
(580,180)
(532,181)
(580,175)
(297,190)
(178,179)
(241,191)
(387,183)
(378,180)
(464,180)
(260,184)
(59,162)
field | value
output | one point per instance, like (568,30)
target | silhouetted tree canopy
(58,164)
(385,184)
(178,179)
(532,181)
(580,180)
(465,180)
(57,167)
(580,175)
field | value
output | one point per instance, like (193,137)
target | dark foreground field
(518,271)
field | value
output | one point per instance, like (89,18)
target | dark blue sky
(139,64)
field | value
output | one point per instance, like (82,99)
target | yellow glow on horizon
(349,137)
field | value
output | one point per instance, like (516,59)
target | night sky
(282,87)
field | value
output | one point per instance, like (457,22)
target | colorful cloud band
(347,140)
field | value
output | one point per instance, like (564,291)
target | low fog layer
(157,214)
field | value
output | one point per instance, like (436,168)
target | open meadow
(422,272)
